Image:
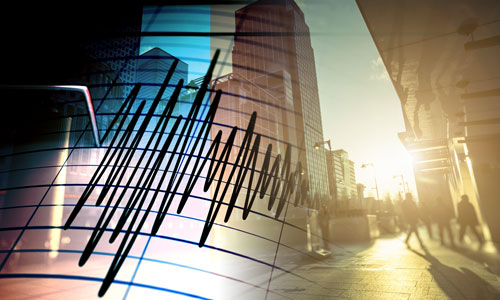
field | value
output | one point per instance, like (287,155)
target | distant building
(346,191)
(372,205)
(361,195)
(188,95)
(152,68)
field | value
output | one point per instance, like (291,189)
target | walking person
(399,215)
(467,218)
(425,214)
(410,211)
(443,216)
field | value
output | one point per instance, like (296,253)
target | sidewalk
(383,269)
(388,269)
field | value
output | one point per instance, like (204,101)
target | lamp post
(319,144)
(324,227)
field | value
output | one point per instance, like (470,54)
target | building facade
(345,188)
(264,58)
(152,68)
(447,81)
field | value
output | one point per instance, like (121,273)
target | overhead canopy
(443,58)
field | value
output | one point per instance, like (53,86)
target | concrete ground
(389,269)
(385,268)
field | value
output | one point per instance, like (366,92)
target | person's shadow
(458,284)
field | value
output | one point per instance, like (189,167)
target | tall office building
(118,46)
(152,69)
(274,76)
(262,57)
(108,51)
(274,116)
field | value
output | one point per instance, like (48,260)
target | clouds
(378,71)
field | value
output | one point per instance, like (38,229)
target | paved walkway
(388,269)
(383,269)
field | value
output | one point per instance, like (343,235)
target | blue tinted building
(152,69)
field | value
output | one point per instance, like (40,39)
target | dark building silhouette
(59,45)
(56,44)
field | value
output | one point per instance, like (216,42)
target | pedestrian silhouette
(467,218)
(410,212)
(398,211)
(425,213)
(443,215)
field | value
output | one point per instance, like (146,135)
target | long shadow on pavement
(490,260)
(450,280)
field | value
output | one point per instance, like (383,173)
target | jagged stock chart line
(147,203)
(277,178)
(274,179)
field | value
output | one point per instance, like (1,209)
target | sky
(360,110)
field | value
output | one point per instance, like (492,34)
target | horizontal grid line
(97,279)
(223,250)
(179,194)
(169,214)
(137,257)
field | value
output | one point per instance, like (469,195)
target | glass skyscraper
(152,69)
(271,37)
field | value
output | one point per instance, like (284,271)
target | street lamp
(374,175)
(319,144)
